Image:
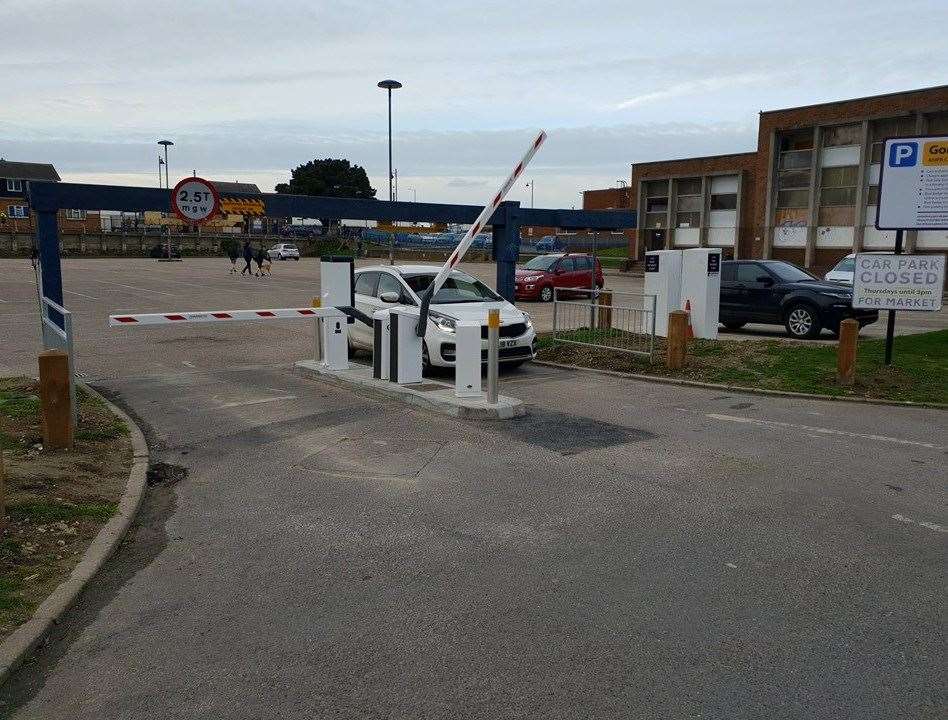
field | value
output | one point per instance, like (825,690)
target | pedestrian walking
(248,258)
(263,262)
(233,255)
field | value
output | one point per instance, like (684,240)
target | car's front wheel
(734,325)
(546,294)
(802,321)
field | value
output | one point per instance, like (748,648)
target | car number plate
(508,343)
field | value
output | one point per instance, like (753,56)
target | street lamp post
(166,143)
(390,85)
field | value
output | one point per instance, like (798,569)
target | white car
(462,297)
(844,269)
(284,251)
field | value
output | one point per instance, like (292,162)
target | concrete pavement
(626,550)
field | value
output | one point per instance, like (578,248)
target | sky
(248,90)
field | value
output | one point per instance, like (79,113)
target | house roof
(235,187)
(28,171)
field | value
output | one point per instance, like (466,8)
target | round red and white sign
(195,200)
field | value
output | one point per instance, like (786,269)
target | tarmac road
(626,550)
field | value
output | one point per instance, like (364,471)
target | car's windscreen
(845,265)
(458,288)
(789,273)
(541,262)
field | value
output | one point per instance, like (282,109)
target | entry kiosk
(685,279)
(701,289)
(663,280)
(381,341)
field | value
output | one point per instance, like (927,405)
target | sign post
(913,195)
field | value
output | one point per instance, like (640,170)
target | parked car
(160,250)
(775,292)
(462,297)
(546,244)
(284,251)
(845,268)
(537,278)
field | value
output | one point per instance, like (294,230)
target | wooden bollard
(846,352)
(55,399)
(677,340)
(605,313)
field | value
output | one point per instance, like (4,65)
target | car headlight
(528,320)
(532,278)
(840,295)
(442,322)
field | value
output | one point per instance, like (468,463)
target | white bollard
(467,359)
(381,344)
(405,356)
(336,343)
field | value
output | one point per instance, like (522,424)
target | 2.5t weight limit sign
(195,200)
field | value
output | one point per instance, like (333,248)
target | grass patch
(43,512)
(10,594)
(919,372)
(18,404)
(102,434)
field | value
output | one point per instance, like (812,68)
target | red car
(537,278)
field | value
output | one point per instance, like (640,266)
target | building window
(794,165)
(688,202)
(75,214)
(838,185)
(879,130)
(872,197)
(14,185)
(938,123)
(656,204)
(18,211)
(724,201)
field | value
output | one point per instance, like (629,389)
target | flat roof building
(807,194)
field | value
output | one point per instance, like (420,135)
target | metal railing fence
(610,319)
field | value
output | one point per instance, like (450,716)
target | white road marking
(132,287)
(73,292)
(255,402)
(189,364)
(822,431)
(925,524)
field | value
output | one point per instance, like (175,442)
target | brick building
(15,215)
(807,194)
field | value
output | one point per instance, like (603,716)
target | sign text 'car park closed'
(898,282)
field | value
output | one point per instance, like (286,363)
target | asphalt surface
(625,550)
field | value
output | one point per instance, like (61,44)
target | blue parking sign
(903,154)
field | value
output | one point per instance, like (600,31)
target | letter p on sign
(903,154)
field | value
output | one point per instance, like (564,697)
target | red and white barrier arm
(488,210)
(175,318)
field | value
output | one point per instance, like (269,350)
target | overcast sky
(247,90)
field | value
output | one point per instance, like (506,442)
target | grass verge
(56,501)
(919,372)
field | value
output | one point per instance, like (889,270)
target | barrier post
(55,399)
(493,353)
(317,302)
(846,352)
(677,349)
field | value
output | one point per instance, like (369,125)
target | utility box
(467,359)
(335,342)
(336,281)
(404,360)
(701,290)
(381,341)
(663,280)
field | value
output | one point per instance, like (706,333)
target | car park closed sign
(898,282)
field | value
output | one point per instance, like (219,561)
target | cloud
(695,87)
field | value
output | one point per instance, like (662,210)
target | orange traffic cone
(690,332)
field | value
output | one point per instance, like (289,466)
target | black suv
(774,292)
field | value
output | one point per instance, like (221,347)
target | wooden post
(677,350)
(55,399)
(605,313)
(846,352)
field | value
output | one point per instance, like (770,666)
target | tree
(328,178)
